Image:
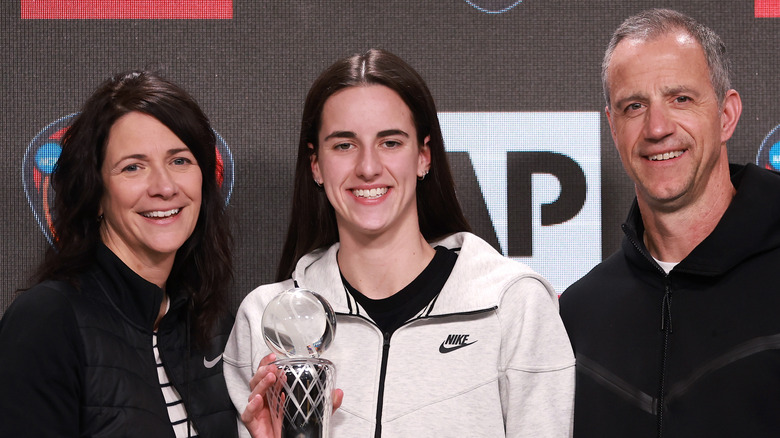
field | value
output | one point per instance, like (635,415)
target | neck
(380,267)
(671,234)
(155,270)
(163,309)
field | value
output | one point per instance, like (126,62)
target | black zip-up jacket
(695,353)
(79,362)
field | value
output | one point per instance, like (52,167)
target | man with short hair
(678,333)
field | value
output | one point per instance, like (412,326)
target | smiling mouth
(665,156)
(161,214)
(370,193)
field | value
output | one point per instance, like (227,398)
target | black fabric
(79,362)
(716,362)
(391,312)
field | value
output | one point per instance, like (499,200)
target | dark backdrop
(531,71)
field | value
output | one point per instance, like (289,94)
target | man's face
(665,118)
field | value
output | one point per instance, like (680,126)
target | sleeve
(537,387)
(243,352)
(40,366)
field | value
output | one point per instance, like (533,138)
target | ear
(424,157)
(315,166)
(611,124)
(729,115)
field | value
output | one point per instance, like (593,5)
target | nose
(369,164)
(658,122)
(162,183)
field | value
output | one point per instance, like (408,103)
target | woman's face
(152,191)
(369,160)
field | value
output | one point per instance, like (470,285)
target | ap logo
(539,176)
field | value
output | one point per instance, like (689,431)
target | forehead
(137,132)
(365,102)
(672,59)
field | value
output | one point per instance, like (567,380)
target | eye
(682,99)
(130,168)
(342,146)
(392,143)
(634,106)
(181,161)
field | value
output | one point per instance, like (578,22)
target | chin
(166,247)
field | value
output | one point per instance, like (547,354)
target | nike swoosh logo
(443,349)
(210,363)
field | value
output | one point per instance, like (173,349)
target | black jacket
(79,362)
(695,353)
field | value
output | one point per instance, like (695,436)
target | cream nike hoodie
(488,357)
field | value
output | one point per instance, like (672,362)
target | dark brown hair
(203,265)
(313,221)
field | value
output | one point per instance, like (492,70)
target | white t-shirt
(666,266)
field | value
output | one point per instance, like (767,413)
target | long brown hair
(203,265)
(313,221)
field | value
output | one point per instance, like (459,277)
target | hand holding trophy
(299,325)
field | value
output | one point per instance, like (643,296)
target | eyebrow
(350,134)
(169,152)
(387,132)
(340,134)
(680,89)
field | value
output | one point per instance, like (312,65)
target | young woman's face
(152,190)
(369,160)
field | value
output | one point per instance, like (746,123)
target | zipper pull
(666,308)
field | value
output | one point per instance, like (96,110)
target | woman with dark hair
(123,332)
(438,334)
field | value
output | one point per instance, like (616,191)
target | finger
(262,385)
(268,359)
(255,405)
(338,397)
(262,370)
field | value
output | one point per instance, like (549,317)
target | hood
(477,281)
(749,226)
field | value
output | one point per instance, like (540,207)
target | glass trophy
(298,325)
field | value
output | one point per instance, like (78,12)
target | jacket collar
(749,226)
(479,273)
(137,300)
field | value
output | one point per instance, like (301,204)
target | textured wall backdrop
(517,85)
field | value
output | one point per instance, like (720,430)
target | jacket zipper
(666,328)
(381,394)
(385,353)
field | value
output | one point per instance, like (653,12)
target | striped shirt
(176,410)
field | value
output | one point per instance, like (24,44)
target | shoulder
(45,300)
(754,175)
(481,268)
(41,322)
(42,366)
(596,295)
(254,303)
(478,257)
(595,282)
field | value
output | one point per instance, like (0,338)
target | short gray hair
(655,23)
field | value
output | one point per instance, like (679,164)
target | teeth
(161,214)
(665,156)
(370,194)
